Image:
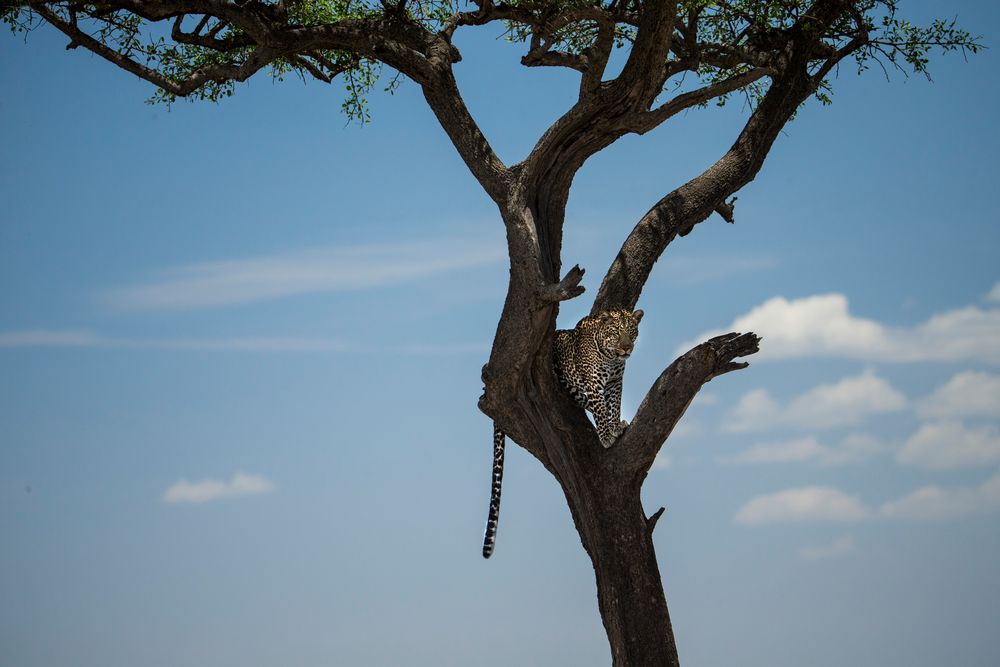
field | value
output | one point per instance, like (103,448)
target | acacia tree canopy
(676,56)
(201,49)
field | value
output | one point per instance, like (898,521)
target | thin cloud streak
(88,339)
(333,269)
(46,338)
(208,490)
(854,448)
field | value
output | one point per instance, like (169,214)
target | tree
(776,53)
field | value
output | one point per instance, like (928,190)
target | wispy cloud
(840,547)
(934,502)
(43,338)
(967,394)
(852,449)
(994,294)
(949,445)
(826,504)
(343,268)
(441,349)
(208,490)
(843,403)
(808,503)
(823,325)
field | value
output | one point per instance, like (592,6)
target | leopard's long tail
(490,538)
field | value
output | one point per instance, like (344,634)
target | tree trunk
(618,538)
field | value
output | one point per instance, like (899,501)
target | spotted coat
(589,361)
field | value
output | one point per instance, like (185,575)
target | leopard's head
(617,331)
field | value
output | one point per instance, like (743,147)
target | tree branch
(442,94)
(644,122)
(540,55)
(643,75)
(651,521)
(567,288)
(672,393)
(208,40)
(597,57)
(678,212)
(258,59)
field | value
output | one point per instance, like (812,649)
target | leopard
(589,362)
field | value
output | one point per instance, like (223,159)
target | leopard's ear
(638,315)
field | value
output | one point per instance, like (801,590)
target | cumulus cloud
(852,449)
(238,281)
(828,504)
(808,503)
(823,326)
(967,394)
(42,338)
(836,549)
(207,490)
(949,445)
(843,403)
(934,502)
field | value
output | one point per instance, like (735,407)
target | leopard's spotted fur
(589,361)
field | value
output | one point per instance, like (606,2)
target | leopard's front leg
(613,398)
(608,427)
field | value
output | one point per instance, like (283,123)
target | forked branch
(567,288)
(673,391)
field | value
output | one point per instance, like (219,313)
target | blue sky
(239,362)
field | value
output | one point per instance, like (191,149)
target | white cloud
(42,338)
(934,502)
(949,444)
(808,503)
(787,451)
(967,394)
(229,282)
(821,503)
(994,294)
(836,549)
(208,490)
(844,403)
(823,326)
(852,449)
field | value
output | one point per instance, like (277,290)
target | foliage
(723,28)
